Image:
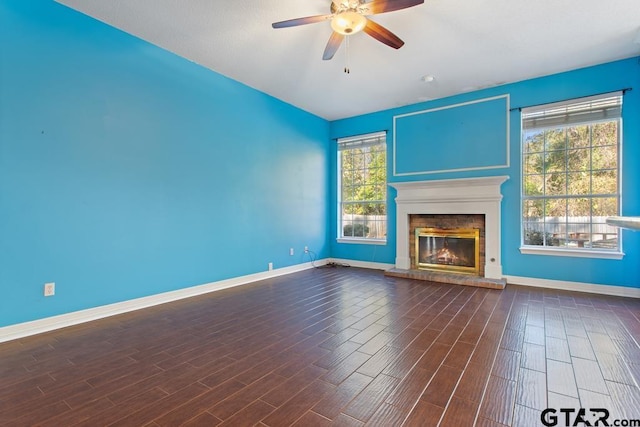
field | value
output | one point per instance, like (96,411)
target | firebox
(456,250)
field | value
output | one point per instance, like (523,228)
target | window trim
(345,141)
(564,251)
(361,240)
(570,252)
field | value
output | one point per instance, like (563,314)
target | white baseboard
(21,330)
(34,327)
(362,264)
(621,291)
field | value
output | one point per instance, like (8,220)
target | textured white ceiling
(465,44)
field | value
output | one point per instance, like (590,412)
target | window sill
(530,250)
(361,241)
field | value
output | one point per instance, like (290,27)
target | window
(362,184)
(570,175)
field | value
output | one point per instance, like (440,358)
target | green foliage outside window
(573,162)
(364,180)
(355,230)
(363,187)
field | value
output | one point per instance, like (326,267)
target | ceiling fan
(349,17)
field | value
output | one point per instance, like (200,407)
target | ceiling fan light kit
(348,23)
(349,17)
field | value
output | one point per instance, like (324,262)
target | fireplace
(445,199)
(456,250)
(448,225)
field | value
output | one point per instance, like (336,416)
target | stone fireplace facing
(449,207)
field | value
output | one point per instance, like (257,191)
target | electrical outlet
(290,251)
(270,266)
(49,289)
(306,249)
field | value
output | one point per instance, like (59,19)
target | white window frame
(359,141)
(557,115)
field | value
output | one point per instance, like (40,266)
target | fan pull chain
(346,66)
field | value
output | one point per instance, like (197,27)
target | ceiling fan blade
(382,6)
(332,45)
(301,21)
(383,35)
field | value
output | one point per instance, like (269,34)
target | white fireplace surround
(451,196)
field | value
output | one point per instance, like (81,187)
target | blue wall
(578,83)
(126,171)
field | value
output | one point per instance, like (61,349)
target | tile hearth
(440,277)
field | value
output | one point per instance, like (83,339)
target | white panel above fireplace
(451,196)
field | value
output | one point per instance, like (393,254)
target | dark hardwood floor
(339,346)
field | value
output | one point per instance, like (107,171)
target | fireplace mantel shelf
(448,183)
(450,190)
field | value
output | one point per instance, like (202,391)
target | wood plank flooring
(333,346)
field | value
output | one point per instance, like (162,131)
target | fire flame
(446,255)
